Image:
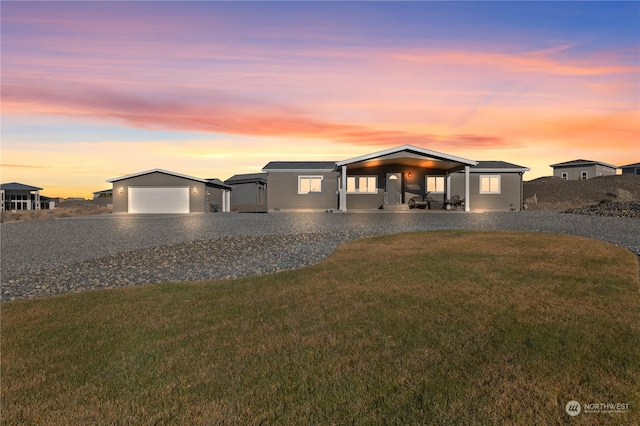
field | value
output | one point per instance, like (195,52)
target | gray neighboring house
(631,169)
(162,191)
(582,169)
(16,196)
(107,193)
(388,179)
(249,192)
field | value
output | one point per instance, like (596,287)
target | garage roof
(209,182)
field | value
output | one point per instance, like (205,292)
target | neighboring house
(48,203)
(162,191)
(388,179)
(18,196)
(582,169)
(633,169)
(107,193)
(249,192)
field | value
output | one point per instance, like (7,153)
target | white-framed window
(309,184)
(490,184)
(584,175)
(362,184)
(434,184)
(564,175)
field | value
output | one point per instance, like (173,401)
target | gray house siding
(249,197)
(631,169)
(575,172)
(510,196)
(282,191)
(156,179)
(413,184)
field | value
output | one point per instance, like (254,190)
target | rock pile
(630,209)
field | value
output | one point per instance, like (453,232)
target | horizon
(96,90)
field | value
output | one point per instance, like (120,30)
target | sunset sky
(96,90)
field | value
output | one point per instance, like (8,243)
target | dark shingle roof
(217,183)
(247,178)
(496,165)
(630,165)
(300,165)
(581,163)
(19,187)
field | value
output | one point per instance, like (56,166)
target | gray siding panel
(282,192)
(510,192)
(156,179)
(575,172)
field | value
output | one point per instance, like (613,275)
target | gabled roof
(301,166)
(19,187)
(208,182)
(630,165)
(408,151)
(247,178)
(498,166)
(581,163)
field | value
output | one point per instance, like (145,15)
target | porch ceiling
(406,159)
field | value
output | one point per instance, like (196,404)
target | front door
(393,183)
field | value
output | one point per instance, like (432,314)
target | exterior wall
(412,186)
(214,196)
(631,171)
(575,172)
(510,196)
(15,199)
(250,196)
(156,179)
(282,192)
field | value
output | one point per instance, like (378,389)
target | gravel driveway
(75,254)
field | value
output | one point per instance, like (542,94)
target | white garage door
(158,200)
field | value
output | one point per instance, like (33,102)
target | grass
(58,212)
(453,327)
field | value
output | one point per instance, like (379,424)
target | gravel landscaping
(75,254)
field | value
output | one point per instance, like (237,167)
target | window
(490,184)
(362,184)
(309,184)
(435,184)
(564,175)
(584,175)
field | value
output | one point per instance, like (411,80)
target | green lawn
(453,327)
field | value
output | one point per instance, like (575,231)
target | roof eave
(411,148)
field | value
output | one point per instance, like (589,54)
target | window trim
(357,184)
(426,184)
(498,191)
(311,177)
(584,174)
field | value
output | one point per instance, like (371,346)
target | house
(633,169)
(162,191)
(18,196)
(388,179)
(249,192)
(107,193)
(582,169)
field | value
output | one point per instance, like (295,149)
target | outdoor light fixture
(121,190)
(409,174)
(195,190)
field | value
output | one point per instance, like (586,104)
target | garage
(161,191)
(159,200)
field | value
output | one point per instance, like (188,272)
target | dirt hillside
(554,192)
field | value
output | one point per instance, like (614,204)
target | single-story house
(162,191)
(18,196)
(389,179)
(582,169)
(106,193)
(632,169)
(249,192)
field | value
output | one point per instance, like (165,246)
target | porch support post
(37,200)
(466,189)
(227,197)
(447,195)
(343,189)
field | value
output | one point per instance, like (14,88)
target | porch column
(466,189)
(343,189)
(37,200)
(226,201)
(447,194)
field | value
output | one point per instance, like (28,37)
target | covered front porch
(389,179)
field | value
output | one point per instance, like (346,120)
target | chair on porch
(454,202)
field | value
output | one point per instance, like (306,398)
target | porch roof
(409,155)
